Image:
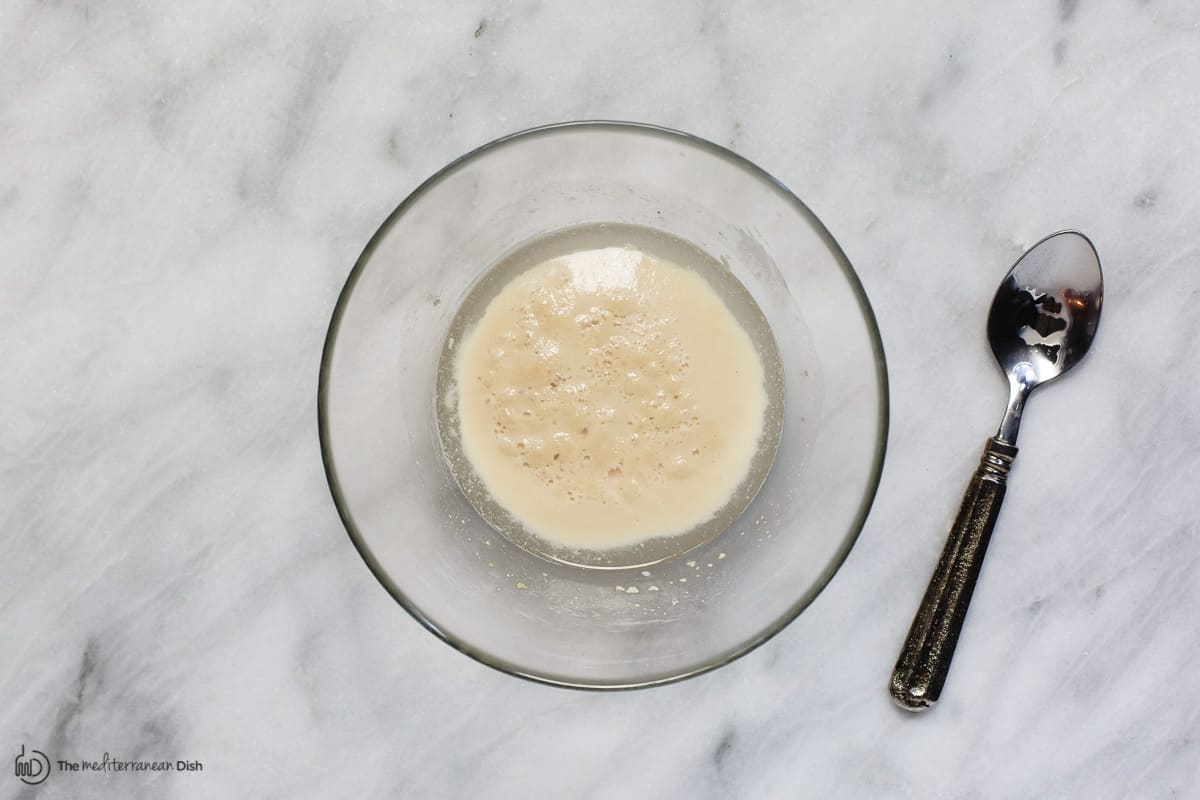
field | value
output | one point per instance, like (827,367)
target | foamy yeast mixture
(607,397)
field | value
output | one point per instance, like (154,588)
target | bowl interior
(744,310)
(557,622)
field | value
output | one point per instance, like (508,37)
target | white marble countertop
(182,193)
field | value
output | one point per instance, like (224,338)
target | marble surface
(183,190)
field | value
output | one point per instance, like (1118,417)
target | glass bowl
(554,622)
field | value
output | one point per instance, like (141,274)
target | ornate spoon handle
(925,660)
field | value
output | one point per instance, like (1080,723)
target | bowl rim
(465,647)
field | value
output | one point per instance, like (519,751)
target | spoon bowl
(1044,317)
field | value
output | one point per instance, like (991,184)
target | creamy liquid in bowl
(608,397)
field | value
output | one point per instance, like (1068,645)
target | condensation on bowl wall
(557,623)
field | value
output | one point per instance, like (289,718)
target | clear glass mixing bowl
(554,622)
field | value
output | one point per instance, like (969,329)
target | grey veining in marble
(183,190)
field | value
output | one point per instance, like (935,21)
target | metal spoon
(1043,320)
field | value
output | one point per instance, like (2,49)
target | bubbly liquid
(607,397)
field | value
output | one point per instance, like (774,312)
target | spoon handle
(921,670)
